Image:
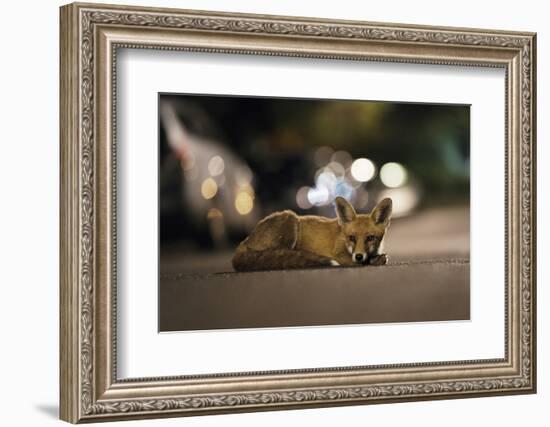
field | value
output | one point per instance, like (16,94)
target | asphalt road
(427,279)
(406,292)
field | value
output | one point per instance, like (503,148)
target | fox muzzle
(359,257)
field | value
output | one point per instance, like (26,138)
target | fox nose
(358,257)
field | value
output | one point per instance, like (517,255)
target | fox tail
(246,259)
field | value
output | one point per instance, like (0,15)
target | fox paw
(334,263)
(378,260)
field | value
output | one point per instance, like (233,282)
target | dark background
(273,147)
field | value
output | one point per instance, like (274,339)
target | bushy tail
(276,259)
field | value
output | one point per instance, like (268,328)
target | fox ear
(344,210)
(382,212)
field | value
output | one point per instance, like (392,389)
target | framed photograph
(311,155)
(265,212)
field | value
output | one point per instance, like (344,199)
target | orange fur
(286,240)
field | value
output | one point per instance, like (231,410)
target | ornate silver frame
(90,36)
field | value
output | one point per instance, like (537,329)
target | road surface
(427,279)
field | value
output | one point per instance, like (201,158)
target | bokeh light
(363,170)
(405,199)
(216,165)
(244,202)
(214,213)
(342,157)
(209,188)
(336,168)
(318,196)
(343,189)
(393,175)
(302,199)
(322,156)
(325,179)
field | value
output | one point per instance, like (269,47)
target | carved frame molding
(90,37)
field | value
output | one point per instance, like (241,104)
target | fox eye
(371,238)
(351,239)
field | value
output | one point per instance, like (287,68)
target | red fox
(286,240)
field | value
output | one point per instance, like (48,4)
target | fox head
(362,234)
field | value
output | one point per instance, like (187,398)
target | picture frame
(91,35)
